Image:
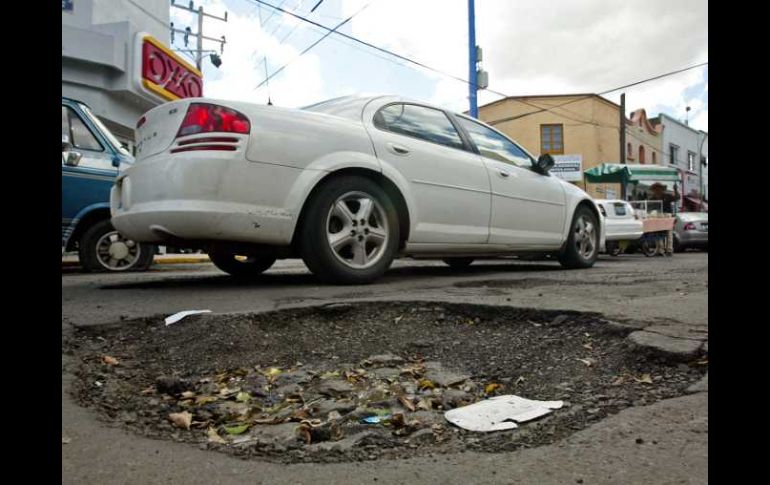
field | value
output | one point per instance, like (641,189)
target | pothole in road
(298,385)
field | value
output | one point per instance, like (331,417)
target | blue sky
(566,47)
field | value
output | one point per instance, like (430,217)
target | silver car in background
(691,230)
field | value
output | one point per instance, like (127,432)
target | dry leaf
(200,400)
(66,441)
(427,384)
(149,390)
(243,397)
(618,381)
(408,404)
(588,362)
(181,420)
(215,438)
(645,379)
(109,360)
(425,404)
(398,319)
(492,387)
(397,421)
(588,346)
(188,395)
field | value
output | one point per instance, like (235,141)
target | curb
(158,260)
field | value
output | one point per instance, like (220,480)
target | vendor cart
(657,225)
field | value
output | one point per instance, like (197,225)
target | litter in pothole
(314,384)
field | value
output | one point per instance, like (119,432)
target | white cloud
(562,46)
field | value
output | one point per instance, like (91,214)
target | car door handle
(398,149)
(503,173)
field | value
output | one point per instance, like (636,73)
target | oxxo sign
(163,74)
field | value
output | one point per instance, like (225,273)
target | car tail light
(689,226)
(210,118)
(141,121)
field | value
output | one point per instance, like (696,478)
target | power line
(425,66)
(316,6)
(313,45)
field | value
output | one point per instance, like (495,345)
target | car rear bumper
(204,198)
(693,237)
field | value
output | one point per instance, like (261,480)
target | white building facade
(686,149)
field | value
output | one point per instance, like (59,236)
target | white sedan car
(621,221)
(348,185)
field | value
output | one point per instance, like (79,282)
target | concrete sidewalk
(72,260)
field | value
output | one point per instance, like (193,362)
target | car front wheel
(350,232)
(582,246)
(103,249)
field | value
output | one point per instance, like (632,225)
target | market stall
(657,224)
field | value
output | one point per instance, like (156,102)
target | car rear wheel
(350,232)
(104,249)
(582,246)
(458,263)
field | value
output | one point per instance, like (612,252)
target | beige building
(644,143)
(573,127)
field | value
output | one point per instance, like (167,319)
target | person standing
(665,248)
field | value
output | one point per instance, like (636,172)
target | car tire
(458,263)
(232,264)
(103,249)
(338,242)
(582,246)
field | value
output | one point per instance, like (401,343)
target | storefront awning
(630,173)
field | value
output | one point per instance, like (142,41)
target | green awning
(630,173)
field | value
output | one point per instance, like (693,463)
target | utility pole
(472,61)
(623,140)
(199,35)
(478,78)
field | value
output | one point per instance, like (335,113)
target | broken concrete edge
(700,386)
(674,348)
(158,260)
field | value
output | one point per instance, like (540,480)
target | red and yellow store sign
(165,74)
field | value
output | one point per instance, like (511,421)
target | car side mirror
(73,158)
(65,143)
(544,163)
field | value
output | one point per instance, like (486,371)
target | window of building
(654,160)
(552,139)
(495,146)
(673,154)
(629,151)
(691,161)
(419,122)
(641,154)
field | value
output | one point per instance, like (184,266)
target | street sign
(568,167)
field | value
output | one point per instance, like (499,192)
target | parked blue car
(91,159)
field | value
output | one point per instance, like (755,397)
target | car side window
(620,209)
(80,135)
(420,122)
(494,145)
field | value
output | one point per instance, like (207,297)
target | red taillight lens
(141,121)
(689,226)
(210,118)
